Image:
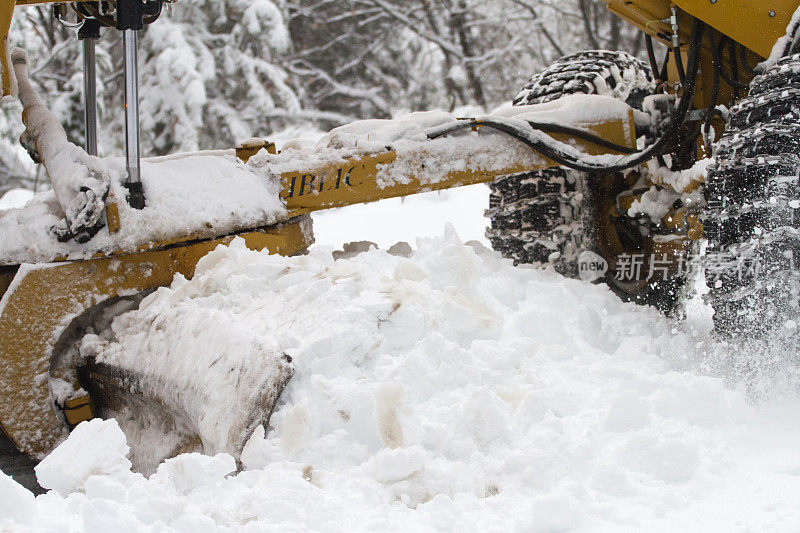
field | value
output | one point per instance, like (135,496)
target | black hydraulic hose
(676,45)
(545,127)
(743,59)
(718,58)
(712,104)
(551,151)
(676,52)
(651,55)
(580,134)
(662,75)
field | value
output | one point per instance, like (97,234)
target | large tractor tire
(753,198)
(549,217)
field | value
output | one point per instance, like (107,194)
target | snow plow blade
(41,322)
(174,410)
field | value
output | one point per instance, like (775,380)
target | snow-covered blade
(168,403)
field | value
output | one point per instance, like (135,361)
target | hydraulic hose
(564,155)
(718,52)
(651,55)
(743,59)
(662,75)
(544,127)
(676,45)
(712,104)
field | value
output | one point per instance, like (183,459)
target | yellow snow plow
(596,170)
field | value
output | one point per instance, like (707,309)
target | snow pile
(448,391)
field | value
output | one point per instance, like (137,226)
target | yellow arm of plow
(6,12)
(431,166)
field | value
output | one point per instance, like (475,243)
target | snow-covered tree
(211,75)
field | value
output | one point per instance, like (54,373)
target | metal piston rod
(89,33)
(130,20)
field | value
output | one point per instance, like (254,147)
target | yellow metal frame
(756,24)
(44,299)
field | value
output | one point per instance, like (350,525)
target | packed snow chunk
(16,502)
(202,194)
(375,134)
(259,451)
(95,447)
(193,470)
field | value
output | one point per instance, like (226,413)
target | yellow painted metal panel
(44,299)
(756,24)
(647,15)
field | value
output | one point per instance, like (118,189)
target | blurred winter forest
(217,72)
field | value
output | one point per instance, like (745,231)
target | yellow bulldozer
(607,167)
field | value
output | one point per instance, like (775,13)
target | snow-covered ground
(448,391)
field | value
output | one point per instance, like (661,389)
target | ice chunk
(192,470)
(95,447)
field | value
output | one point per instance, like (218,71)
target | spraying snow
(444,391)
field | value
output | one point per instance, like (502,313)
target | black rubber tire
(535,218)
(545,217)
(752,221)
(605,72)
